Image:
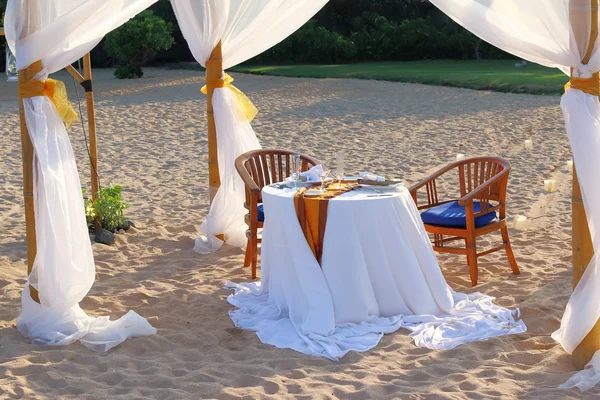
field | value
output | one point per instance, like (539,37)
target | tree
(137,41)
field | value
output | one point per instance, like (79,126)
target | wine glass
(340,159)
(295,168)
(323,174)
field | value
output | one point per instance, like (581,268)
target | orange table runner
(312,214)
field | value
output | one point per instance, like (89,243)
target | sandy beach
(152,141)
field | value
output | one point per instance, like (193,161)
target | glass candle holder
(520,222)
(570,165)
(550,185)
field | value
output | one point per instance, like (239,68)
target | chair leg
(248,258)
(509,251)
(472,259)
(254,244)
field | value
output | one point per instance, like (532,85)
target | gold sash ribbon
(57,93)
(312,214)
(586,85)
(249,108)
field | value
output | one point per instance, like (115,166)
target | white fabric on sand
(378,274)
(543,32)
(63,270)
(245,29)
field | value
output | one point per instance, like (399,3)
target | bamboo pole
(30,8)
(91,114)
(582,240)
(74,73)
(214,73)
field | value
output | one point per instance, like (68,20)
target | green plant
(109,207)
(137,41)
(90,211)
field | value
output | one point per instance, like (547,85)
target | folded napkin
(366,176)
(313,174)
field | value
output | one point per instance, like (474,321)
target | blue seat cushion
(454,215)
(261,213)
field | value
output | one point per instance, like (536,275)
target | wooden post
(86,82)
(91,116)
(30,8)
(214,73)
(582,241)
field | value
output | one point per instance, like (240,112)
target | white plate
(379,187)
(313,192)
(290,184)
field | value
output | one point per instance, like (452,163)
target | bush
(126,72)
(109,207)
(376,38)
(137,41)
(311,44)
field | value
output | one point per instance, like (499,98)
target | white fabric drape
(543,32)
(58,32)
(378,274)
(245,28)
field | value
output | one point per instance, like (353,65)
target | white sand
(152,140)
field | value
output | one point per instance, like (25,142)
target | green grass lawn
(500,76)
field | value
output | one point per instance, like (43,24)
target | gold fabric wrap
(586,85)
(57,93)
(312,214)
(249,108)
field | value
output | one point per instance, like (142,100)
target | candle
(550,185)
(529,144)
(520,222)
(460,157)
(570,165)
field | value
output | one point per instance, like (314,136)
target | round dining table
(377,273)
(377,258)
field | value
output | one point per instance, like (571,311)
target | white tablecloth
(378,273)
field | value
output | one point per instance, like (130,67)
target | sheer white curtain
(555,34)
(245,28)
(58,32)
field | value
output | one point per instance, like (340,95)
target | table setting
(346,259)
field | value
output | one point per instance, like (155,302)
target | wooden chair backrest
(475,172)
(259,168)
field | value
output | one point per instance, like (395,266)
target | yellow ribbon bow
(57,93)
(586,85)
(248,107)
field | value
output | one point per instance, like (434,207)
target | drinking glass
(296,168)
(340,159)
(323,175)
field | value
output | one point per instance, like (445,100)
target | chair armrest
(469,197)
(431,177)
(251,186)
(430,180)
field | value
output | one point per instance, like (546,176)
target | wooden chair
(257,169)
(481,209)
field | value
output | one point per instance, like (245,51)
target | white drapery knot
(583,71)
